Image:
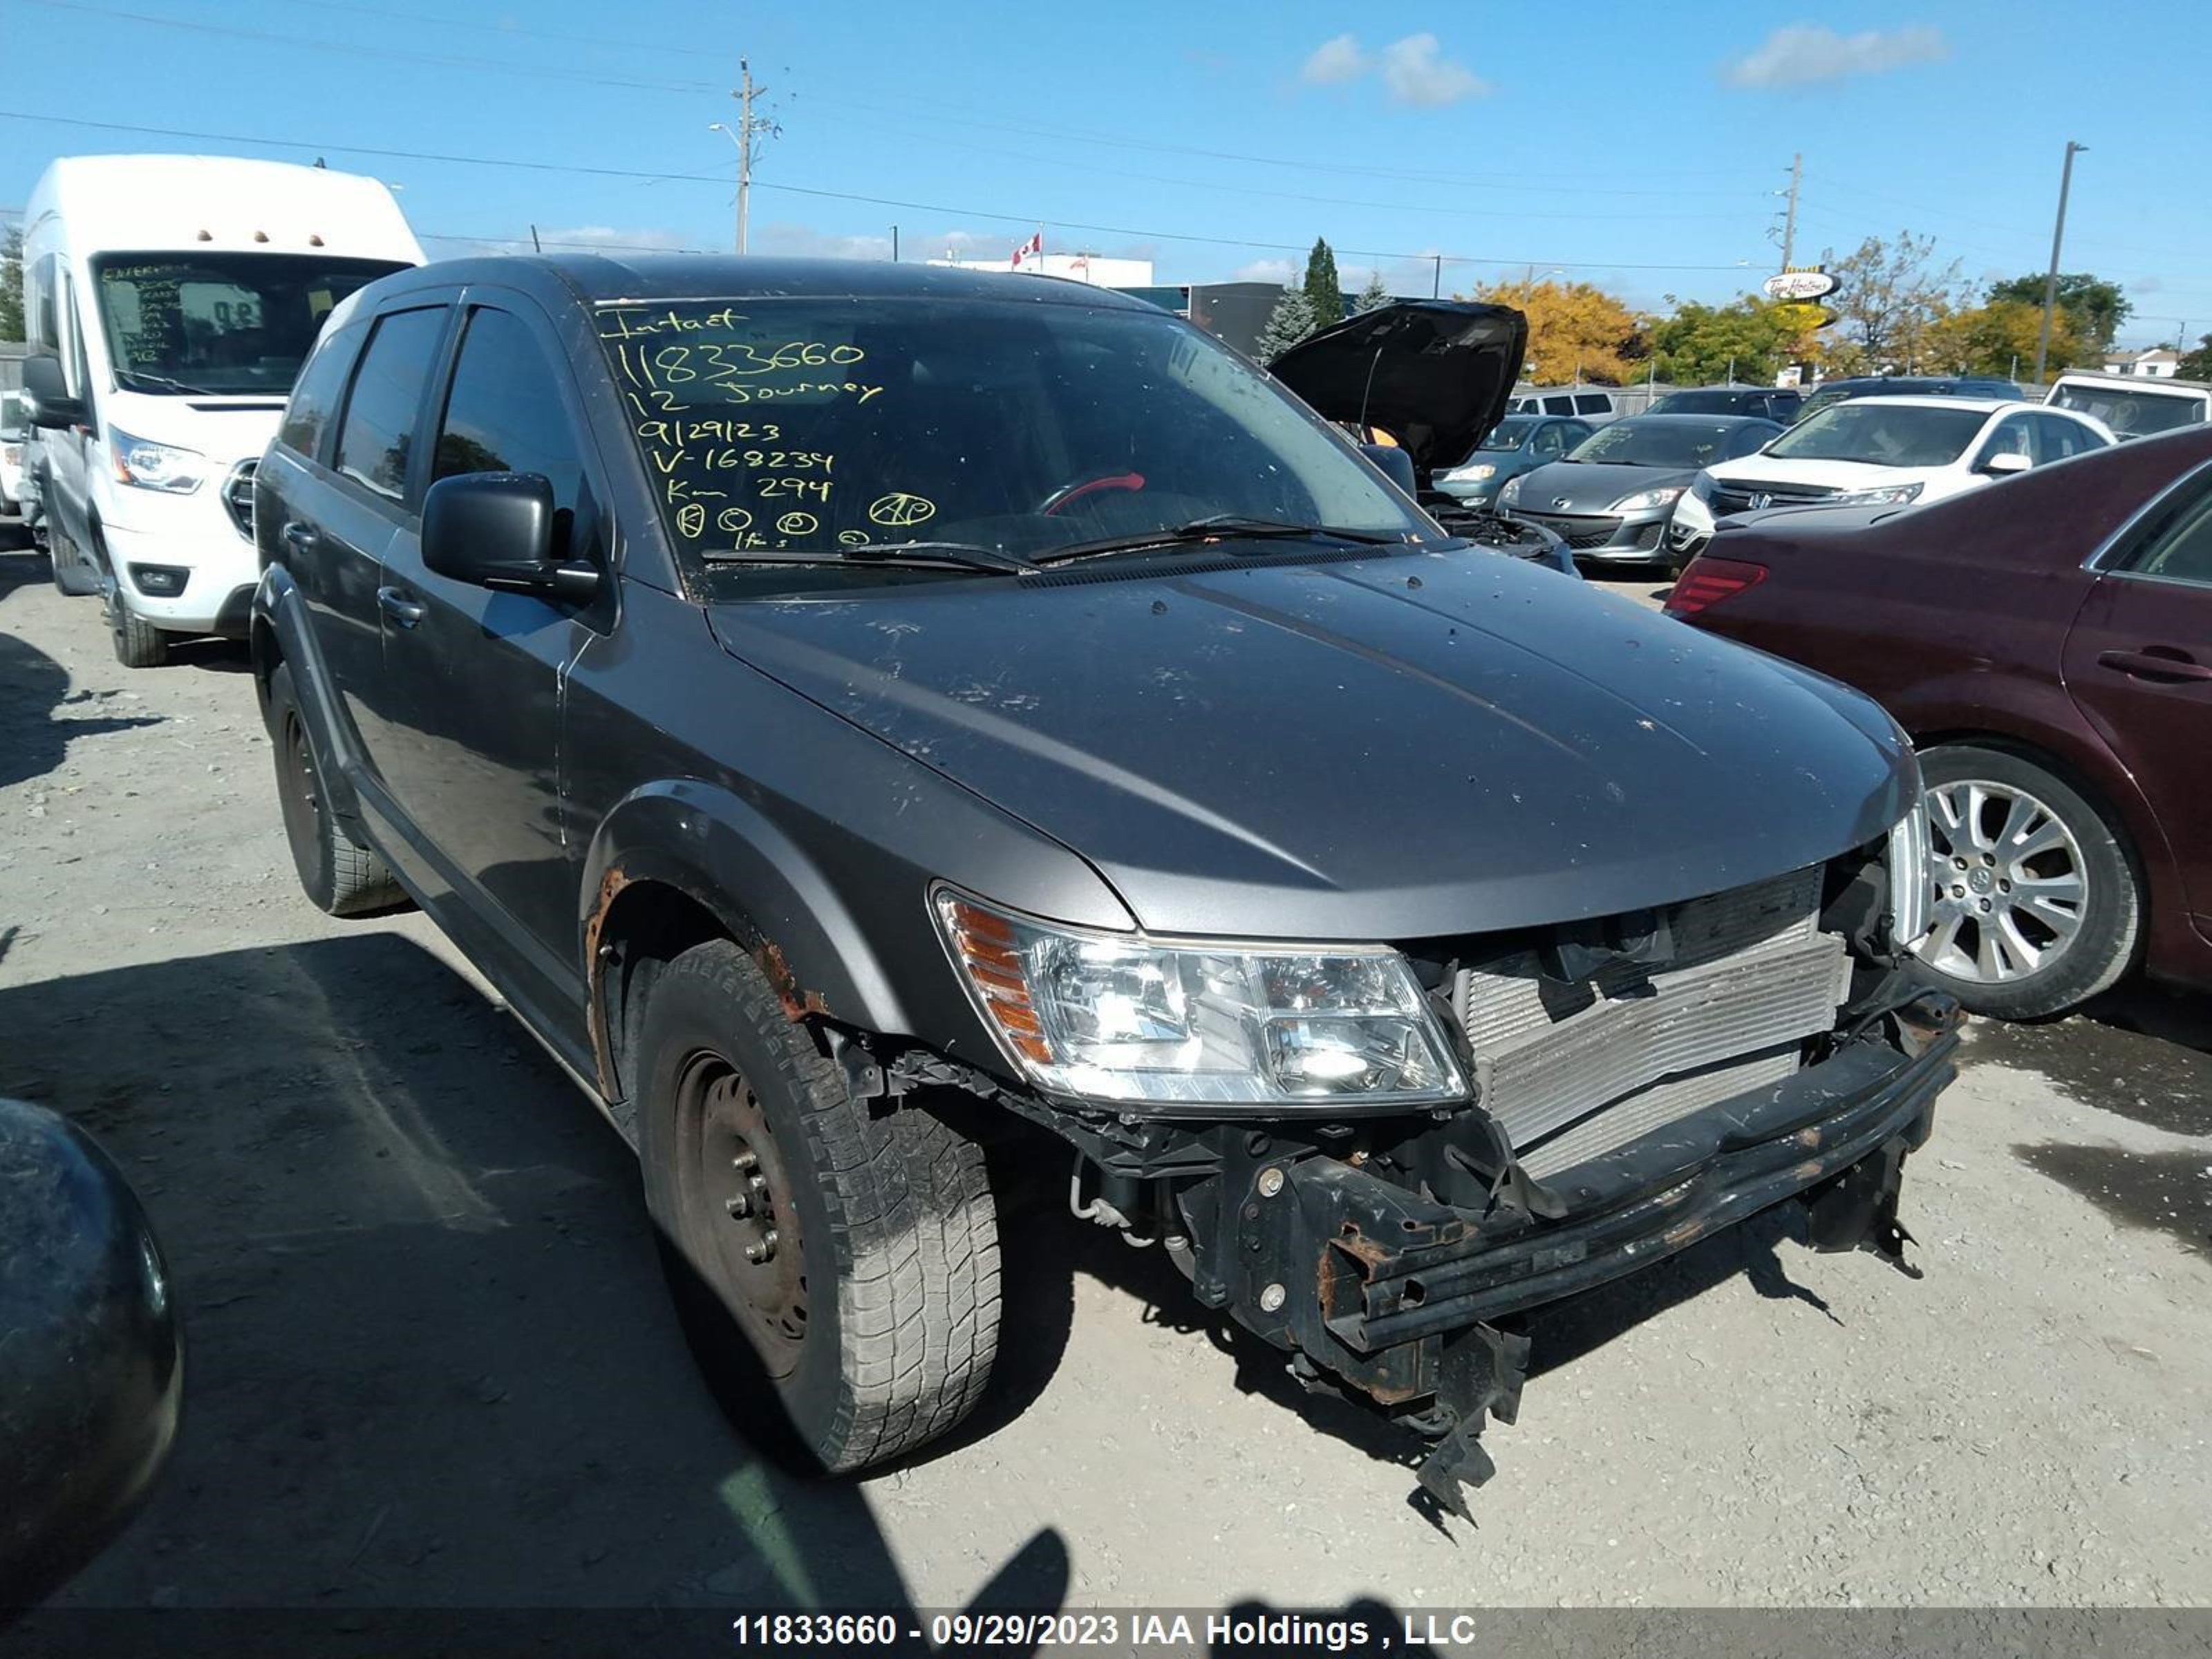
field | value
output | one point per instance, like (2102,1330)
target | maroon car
(2047,642)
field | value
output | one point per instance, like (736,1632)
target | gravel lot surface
(430,1362)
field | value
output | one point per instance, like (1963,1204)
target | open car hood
(1436,374)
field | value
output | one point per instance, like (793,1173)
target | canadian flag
(1032,249)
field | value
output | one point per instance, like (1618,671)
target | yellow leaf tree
(1999,338)
(1576,332)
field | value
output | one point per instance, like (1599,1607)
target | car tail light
(1708,581)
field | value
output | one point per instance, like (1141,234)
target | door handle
(395,604)
(300,538)
(2157,662)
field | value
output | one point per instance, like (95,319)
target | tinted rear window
(315,396)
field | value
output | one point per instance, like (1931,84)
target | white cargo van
(2133,405)
(170,299)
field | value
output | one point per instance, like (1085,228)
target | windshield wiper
(919,556)
(1216,527)
(163,383)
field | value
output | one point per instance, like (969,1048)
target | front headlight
(1472,474)
(1510,493)
(1644,500)
(1910,885)
(1122,1018)
(1883,495)
(148,465)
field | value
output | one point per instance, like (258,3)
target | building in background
(2159,363)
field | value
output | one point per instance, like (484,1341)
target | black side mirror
(46,402)
(91,1356)
(495,530)
(1394,461)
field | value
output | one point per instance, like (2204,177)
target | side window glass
(1593,404)
(1559,405)
(315,395)
(1551,440)
(2062,437)
(505,412)
(386,395)
(2011,438)
(2185,552)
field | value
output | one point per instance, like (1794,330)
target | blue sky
(1638,146)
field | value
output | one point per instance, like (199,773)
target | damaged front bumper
(1376,1288)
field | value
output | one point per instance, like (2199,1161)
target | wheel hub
(2010,883)
(740,1195)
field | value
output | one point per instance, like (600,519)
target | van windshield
(2131,414)
(219,323)
(801,426)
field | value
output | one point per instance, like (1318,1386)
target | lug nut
(1271,1182)
(764,1250)
(2004,887)
(1961,863)
(1985,904)
(744,1161)
(757,1182)
(1989,858)
(1958,892)
(1272,1299)
(740,1208)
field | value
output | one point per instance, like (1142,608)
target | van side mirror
(1394,462)
(46,402)
(495,530)
(2002,466)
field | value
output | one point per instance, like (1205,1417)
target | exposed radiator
(1575,1071)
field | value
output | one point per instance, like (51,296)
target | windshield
(800,427)
(219,323)
(2132,413)
(1648,440)
(1509,434)
(1882,434)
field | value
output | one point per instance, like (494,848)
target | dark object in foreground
(2048,641)
(1347,900)
(91,1358)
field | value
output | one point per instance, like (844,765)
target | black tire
(2099,947)
(138,643)
(341,879)
(875,1334)
(73,572)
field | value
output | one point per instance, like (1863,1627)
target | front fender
(282,631)
(719,850)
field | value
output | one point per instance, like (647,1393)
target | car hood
(224,429)
(1592,486)
(1395,747)
(1842,475)
(1435,373)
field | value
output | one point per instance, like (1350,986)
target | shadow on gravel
(37,718)
(2141,1051)
(430,1357)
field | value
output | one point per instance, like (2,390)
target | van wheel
(837,1268)
(2036,906)
(340,879)
(138,643)
(73,572)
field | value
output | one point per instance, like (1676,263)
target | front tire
(2037,907)
(138,643)
(340,879)
(73,574)
(852,1255)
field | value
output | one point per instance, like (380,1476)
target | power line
(828,194)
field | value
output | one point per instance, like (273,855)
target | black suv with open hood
(846,708)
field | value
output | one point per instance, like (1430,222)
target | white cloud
(1806,52)
(1334,62)
(1413,70)
(1263,270)
(1414,73)
(568,239)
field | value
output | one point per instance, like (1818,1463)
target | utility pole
(2051,282)
(1789,222)
(894,244)
(1436,280)
(745,94)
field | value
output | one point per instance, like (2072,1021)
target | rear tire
(340,879)
(2037,906)
(73,572)
(869,1325)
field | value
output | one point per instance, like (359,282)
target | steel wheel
(2011,883)
(737,1195)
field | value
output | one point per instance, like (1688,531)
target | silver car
(1611,498)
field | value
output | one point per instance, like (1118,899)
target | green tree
(1324,289)
(11,285)
(1889,295)
(1697,344)
(1290,322)
(1999,338)
(2196,365)
(2098,308)
(1373,297)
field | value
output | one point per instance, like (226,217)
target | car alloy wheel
(2011,883)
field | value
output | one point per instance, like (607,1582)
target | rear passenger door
(2138,665)
(337,534)
(477,674)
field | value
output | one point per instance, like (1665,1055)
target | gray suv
(847,708)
